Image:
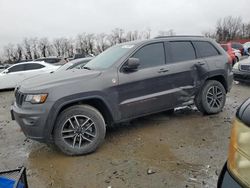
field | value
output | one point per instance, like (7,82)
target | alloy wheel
(78,131)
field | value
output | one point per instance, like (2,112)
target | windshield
(108,57)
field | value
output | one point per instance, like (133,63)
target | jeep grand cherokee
(129,80)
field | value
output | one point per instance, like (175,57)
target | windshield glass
(108,57)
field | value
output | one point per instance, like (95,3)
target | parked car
(228,48)
(241,71)
(238,55)
(238,46)
(13,75)
(52,60)
(236,172)
(72,108)
(77,63)
(247,48)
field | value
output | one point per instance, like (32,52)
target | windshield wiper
(87,68)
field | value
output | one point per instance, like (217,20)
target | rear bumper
(226,180)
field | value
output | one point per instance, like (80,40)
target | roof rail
(159,37)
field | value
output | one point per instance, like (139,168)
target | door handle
(201,63)
(162,70)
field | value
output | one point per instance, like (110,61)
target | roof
(179,36)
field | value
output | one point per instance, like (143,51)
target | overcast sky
(57,18)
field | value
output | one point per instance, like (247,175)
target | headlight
(236,66)
(36,98)
(239,152)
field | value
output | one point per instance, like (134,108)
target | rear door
(207,52)
(183,74)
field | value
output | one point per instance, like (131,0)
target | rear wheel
(79,130)
(211,98)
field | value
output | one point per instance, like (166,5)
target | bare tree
(146,34)
(19,52)
(133,35)
(169,32)
(27,48)
(246,30)
(81,43)
(44,47)
(34,47)
(101,42)
(13,53)
(117,36)
(209,34)
(229,28)
(57,43)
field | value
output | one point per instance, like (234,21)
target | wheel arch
(97,102)
(220,79)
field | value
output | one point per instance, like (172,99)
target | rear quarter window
(205,49)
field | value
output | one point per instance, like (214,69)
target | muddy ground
(185,149)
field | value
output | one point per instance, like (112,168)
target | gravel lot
(185,149)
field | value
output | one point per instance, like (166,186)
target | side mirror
(132,64)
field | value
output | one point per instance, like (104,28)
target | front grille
(19,97)
(245,67)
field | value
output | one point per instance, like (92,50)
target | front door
(142,91)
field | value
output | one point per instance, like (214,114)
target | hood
(59,78)
(245,61)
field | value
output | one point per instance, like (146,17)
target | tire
(79,130)
(211,98)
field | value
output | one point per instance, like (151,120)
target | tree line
(229,28)
(84,43)
(226,29)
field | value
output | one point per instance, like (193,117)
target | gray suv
(72,108)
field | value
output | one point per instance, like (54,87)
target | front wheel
(79,130)
(211,98)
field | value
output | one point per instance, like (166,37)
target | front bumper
(226,180)
(32,120)
(241,76)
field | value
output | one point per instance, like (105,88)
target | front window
(151,55)
(109,57)
(16,68)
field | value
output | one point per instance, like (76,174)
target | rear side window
(151,55)
(182,51)
(16,68)
(32,66)
(205,49)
